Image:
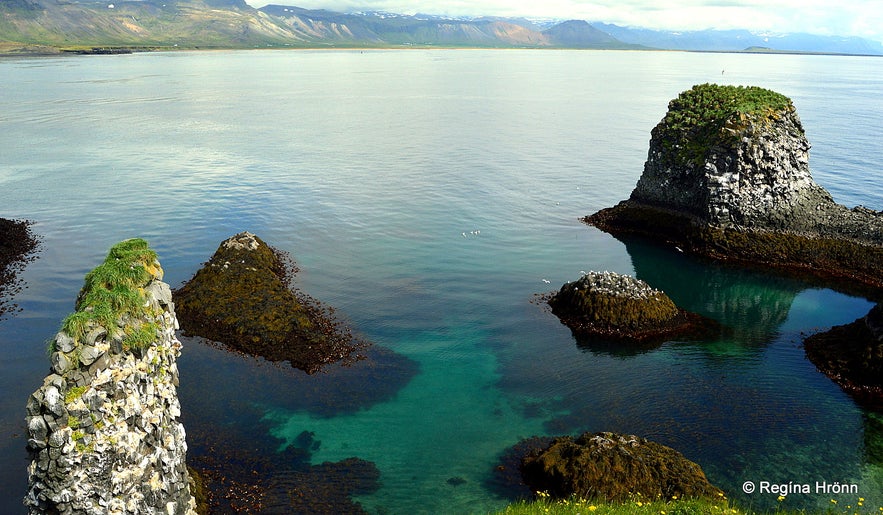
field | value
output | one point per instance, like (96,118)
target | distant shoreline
(19,50)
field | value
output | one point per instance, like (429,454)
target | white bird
(546,281)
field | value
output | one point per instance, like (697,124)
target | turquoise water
(427,195)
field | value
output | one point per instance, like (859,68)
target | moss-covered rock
(618,306)
(614,467)
(852,356)
(242,298)
(727,176)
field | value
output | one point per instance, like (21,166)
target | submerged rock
(619,306)
(852,355)
(614,467)
(727,176)
(242,298)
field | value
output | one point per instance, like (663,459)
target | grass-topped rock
(611,305)
(727,176)
(614,467)
(242,298)
(104,429)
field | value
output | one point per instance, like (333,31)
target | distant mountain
(579,34)
(739,40)
(235,24)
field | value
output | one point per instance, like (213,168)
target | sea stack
(104,430)
(727,176)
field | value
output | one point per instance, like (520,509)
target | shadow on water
(224,398)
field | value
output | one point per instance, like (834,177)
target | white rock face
(104,432)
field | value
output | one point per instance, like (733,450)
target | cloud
(846,18)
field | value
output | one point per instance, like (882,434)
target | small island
(242,298)
(621,307)
(727,176)
(614,467)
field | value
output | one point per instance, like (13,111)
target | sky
(862,18)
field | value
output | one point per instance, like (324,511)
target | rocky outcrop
(242,298)
(614,467)
(612,305)
(104,428)
(852,355)
(17,247)
(727,176)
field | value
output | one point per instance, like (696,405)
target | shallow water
(427,195)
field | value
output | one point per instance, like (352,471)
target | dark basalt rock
(614,467)
(17,248)
(242,298)
(727,176)
(620,307)
(852,356)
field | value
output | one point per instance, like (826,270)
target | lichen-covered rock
(619,306)
(242,298)
(852,355)
(104,429)
(614,467)
(727,176)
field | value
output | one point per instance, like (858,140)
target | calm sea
(429,195)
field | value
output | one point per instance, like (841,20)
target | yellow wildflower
(593,508)
(780,498)
(833,501)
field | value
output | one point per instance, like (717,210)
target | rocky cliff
(104,429)
(727,176)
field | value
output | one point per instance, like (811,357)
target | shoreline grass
(545,505)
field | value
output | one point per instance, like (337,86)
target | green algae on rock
(852,356)
(618,306)
(614,467)
(727,176)
(242,298)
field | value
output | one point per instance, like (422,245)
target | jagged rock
(614,467)
(242,298)
(727,176)
(852,355)
(104,429)
(622,307)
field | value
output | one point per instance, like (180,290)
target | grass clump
(114,288)
(138,338)
(709,115)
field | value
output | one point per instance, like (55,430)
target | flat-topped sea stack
(242,298)
(614,467)
(621,307)
(727,176)
(852,356)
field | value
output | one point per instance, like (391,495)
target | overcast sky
(828,17)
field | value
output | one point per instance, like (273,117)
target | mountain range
(235,24)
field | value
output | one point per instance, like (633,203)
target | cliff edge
(727,176)
(104,428)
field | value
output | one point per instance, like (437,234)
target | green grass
(114,288)
(709,115)
(546,505)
